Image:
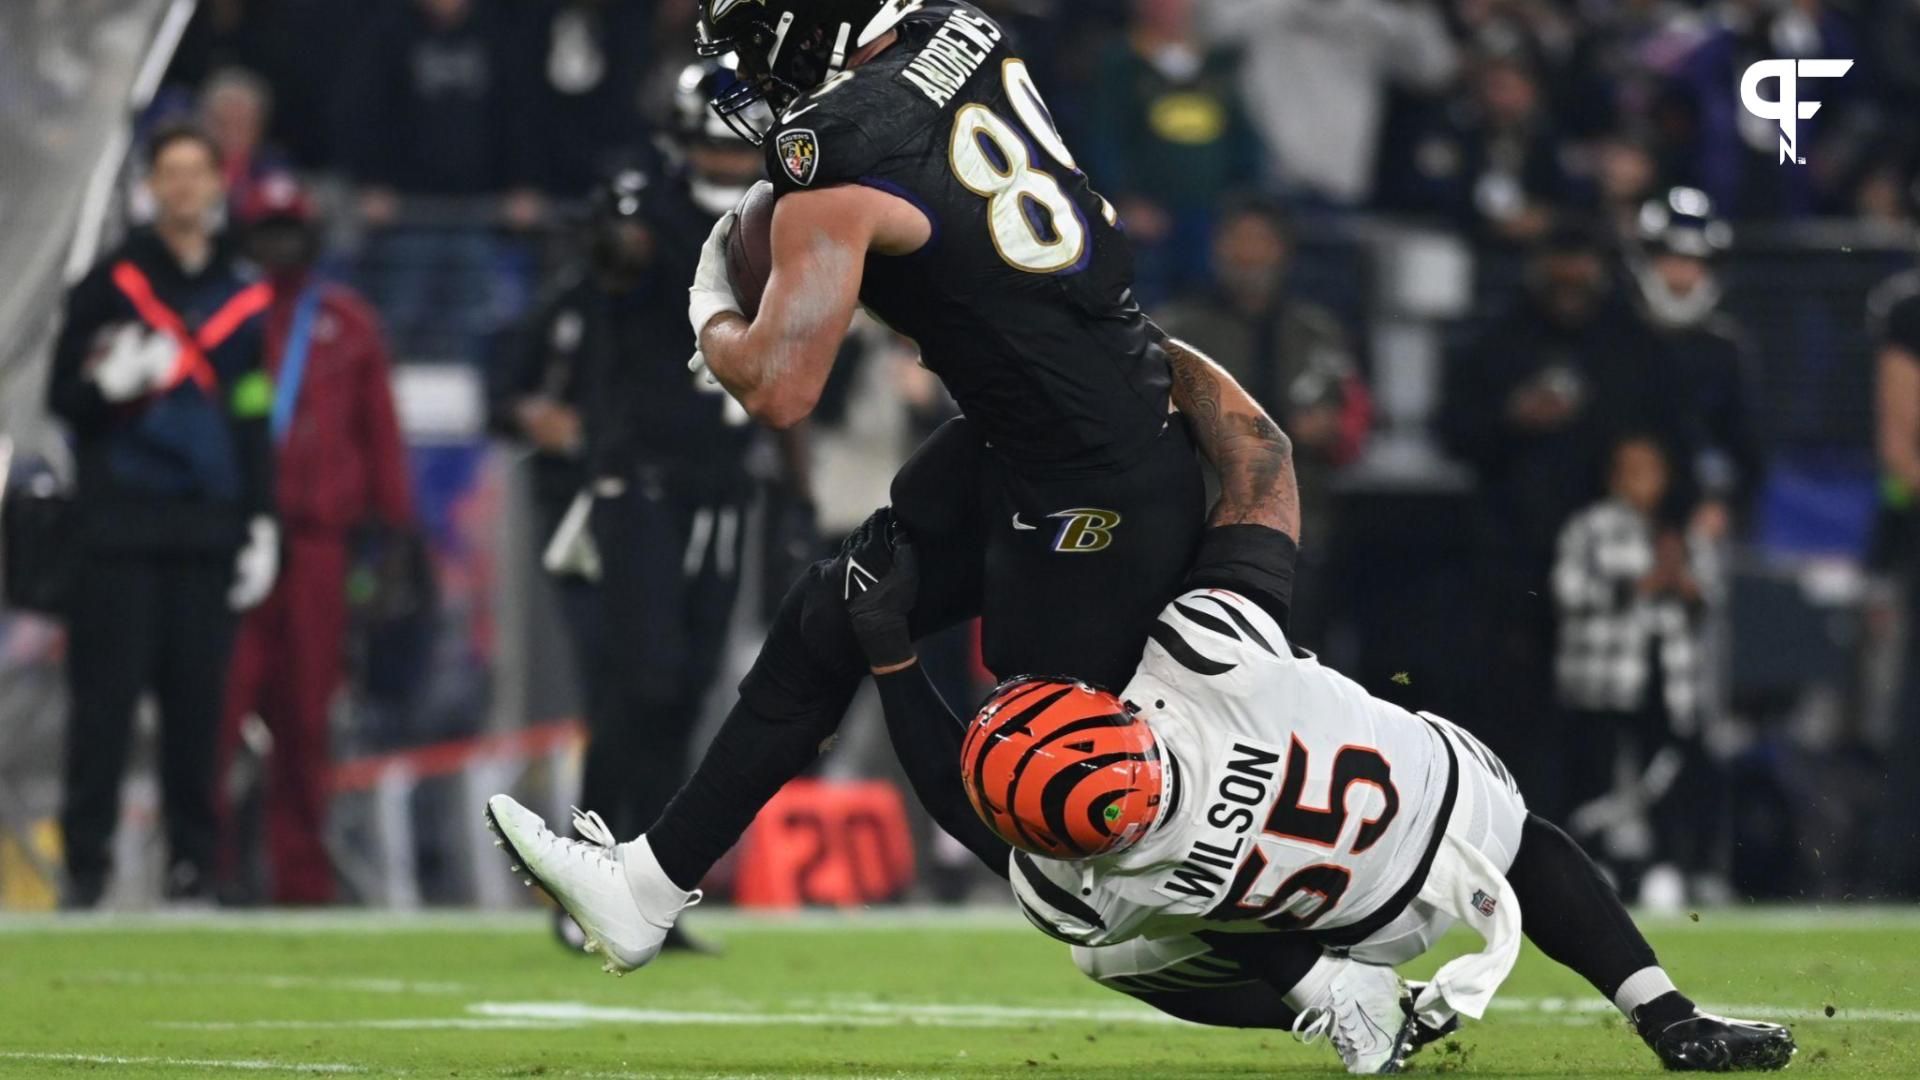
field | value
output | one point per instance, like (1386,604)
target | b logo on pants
(1086,530)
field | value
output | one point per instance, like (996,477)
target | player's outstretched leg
(1282,982)
(626,897)
(1581,924)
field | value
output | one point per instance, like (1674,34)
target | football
(750,247)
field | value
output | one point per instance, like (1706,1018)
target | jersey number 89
(1035,225)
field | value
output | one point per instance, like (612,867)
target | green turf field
(881,995)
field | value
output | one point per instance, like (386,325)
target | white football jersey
(1297,799)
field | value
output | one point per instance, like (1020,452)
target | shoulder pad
(1052,907)
(1893,310)
(835,134)
(1226,622)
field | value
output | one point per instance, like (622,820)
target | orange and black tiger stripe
(1061,769)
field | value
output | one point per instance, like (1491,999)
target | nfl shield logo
(1483,903)
(800,155)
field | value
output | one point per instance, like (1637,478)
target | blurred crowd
(1493,114)
(481,168)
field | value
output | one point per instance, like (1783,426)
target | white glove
(698,366)
(137,363)
(257,565)
(712,293)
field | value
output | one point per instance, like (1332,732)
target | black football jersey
(1894,310)
(1022,301)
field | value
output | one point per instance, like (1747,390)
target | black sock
(749,761)
(926,738)
(1569,911)
(1667,1009)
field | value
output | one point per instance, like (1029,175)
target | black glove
(880,580)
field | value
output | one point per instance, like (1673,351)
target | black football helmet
(1683,222)
(1680,222)
(786,48)
(621,195)
(620,225)
(701,83)
(720,166)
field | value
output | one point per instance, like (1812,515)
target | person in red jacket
(341,464)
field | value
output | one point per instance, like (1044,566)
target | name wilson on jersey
(1243,792)
(951,56)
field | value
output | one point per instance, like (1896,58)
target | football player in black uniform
(921,176)
(1893,312)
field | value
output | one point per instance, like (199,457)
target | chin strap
(838,61)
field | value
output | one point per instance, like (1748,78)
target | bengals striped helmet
(1061,769)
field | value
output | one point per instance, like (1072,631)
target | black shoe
(187,885)
(1707,1043)
(573,939)
(568,933)
(1425,1034)
(82,893)
(678,940)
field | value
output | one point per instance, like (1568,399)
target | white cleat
(1367,1016)
(617,893)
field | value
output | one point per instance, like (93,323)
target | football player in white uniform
(1243,837)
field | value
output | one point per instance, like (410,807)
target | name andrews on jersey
(952,55)
(1245,789)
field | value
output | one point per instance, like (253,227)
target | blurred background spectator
(1629,678)
(439,104)
(1679,237)
(235,107)
(158,375)
(591,56)
(1315,76)
(1294,356)
(1168,140)
(1535,403)
(1894,309)
(340,468)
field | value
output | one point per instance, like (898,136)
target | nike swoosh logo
(1020,526)
(795,114)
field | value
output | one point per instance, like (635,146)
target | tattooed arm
(1252,455)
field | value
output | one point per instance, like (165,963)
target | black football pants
(140,621)
(670,572)
(1067,573)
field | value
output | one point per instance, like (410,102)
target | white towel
(1465,884)
(571,552)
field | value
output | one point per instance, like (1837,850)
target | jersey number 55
(1306,895)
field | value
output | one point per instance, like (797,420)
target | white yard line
(972,919)
(238,1064)
(1594,1006)
(275,982)
(519,1015)
(422,1023)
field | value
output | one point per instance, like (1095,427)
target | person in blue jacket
(157,373)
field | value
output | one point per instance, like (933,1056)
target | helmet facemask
(778,62)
